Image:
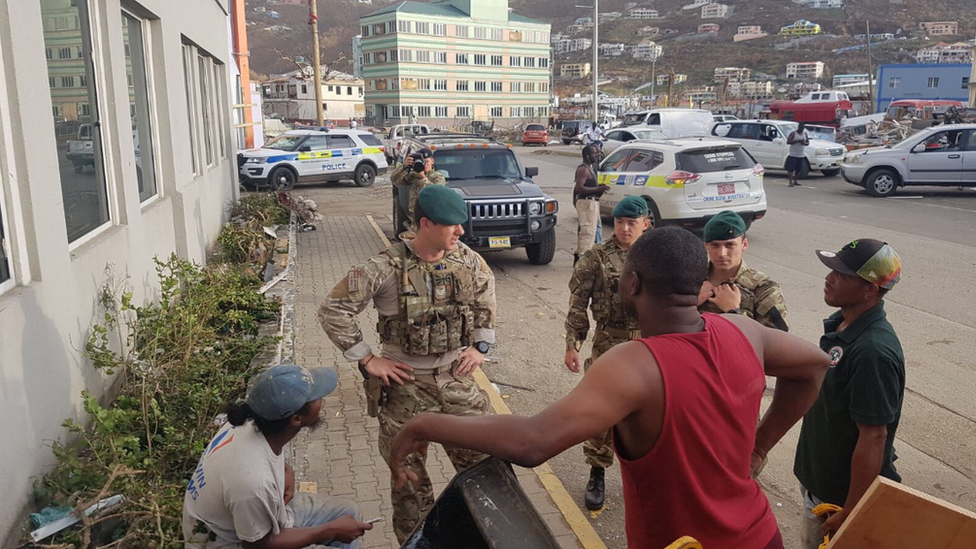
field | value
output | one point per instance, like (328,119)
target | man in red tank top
(682,402)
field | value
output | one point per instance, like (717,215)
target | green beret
(630,206)
(443,205)
(724,226)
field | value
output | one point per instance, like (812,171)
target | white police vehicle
(313,155)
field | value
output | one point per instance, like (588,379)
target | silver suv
(940,155)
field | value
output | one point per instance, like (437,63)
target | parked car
(506,209)
(766,142)
(940,156)
(313,155)
(616,138)
(673,123)
(724,117)
(393,142)
(571,131)
(535,133)
(81,150)
(685,181)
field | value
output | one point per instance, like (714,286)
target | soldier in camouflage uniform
(594,286)
(405,176)
(732,287)
(436,303)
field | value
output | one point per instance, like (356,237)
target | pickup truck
(393,142)
(81,151)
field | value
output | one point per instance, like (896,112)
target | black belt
(593,198)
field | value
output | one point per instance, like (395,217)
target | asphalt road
(933,309)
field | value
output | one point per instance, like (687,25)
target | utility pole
(313,22)
(596,61)
(870,72)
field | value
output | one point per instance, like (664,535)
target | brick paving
(342,457)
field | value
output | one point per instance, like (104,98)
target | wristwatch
(482,347)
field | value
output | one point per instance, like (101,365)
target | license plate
(499,242)
(726,188)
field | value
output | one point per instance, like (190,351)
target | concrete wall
(45,317)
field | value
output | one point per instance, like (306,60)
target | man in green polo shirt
(847,437)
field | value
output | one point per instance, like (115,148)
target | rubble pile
(872,134)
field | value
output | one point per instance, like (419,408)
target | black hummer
(505,208)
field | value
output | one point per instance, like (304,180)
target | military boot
(595,489)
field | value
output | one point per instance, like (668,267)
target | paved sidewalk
(341,458)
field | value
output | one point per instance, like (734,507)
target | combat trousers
(588,212)
(441,393)
(598,450)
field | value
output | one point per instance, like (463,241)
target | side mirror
(779,140)
(919,148)
(305,149)
(531,172)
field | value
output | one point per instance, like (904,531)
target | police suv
(313,155)
(506,209)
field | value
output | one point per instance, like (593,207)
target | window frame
(150,83)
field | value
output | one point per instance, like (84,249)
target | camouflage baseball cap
(872,260)
(280,391)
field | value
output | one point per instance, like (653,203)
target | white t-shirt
(593,134)
(237,489)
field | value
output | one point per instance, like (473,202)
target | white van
(673,123)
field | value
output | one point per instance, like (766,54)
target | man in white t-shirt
(242,493)
(798,140)
(593,135)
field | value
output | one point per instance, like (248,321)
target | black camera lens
(418,165)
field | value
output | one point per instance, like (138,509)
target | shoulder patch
(836,353)
(355,280)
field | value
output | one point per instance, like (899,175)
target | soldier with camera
(416,172)
(436,303)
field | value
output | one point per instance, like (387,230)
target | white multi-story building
(584,21)
(699,94)
(806,70)
(848,79)
(715,11)
(706,28)
(648,49)
(612,50)
(959,52)
(940,28)
(455,59)
(292,96)
(756,90)
(643,13)
(569,45)
(732,74)
(662,79)
(610,16)
(826,4)
(574,70)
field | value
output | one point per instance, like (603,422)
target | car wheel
(882,183)
(652,214)
(566,141)
(541,253)
(365,175)
(830,173)
(282,179)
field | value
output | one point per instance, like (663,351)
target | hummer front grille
(498,210)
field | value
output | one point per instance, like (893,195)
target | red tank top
(696,481)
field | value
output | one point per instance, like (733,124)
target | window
(463,112)
(64,53)
(316,143)
(933,82)
(515,36)
(514,61)
(644,161)
(393,57)
(965,82)
(379,28)
(423,84)
(440,85)
(544,87)
(206,93)
(496,112)
(49,54)
(406,56)
(380,57)
(139,105)
(423,56)
(4,262)
(480,86)
(390,26)
(894,82)
(543,62)
(69,82)
(403,26)
(530,62)
(83,187)
(461,31)
(497,34)
(515,112)
(408,83)
(461,58)
(616,161)
(52,82)
(394,83)
(331,89)
(422,28)
(528,87)
(496,86)
(461,85)
(340,142)
(395,111)
(440,29)
(496,60)
(440,112)
(514,86)
(364,31)
(479,59)
(423,112)
(440,57)
(528,111)
(84,109)
(480,33)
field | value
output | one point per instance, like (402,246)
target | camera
(419,165)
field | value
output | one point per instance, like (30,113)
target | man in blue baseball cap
(242,494)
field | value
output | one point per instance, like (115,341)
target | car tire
(541,253)
(653,215)
(365,175)
(830,173)
(282,179)
(881,183)
(566,141)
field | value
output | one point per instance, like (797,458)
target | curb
(581,527)
(545,152)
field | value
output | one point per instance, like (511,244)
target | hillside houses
(612,49)
(715,11)
(648,31)
(800,28)
(732,74)
(648,49)
(806,70)
(708,28)
(748,32)
(610,16)
(940,28)
(569,45)
(643,13)
(662,79)
(959,52)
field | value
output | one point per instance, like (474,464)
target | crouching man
(242,494)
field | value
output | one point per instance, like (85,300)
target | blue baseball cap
(282,390)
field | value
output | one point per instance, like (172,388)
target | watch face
(482,347)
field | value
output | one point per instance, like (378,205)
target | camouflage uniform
(454,297)
(595,279)
(762,299)
(404,176)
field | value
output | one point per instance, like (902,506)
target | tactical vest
(607,306)
(435,314)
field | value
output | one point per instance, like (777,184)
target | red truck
(822,113)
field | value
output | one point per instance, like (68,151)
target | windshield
(634,119)
(787,129)
(714,160)
(284,142)
(535,128)
(647,134)
(462,164)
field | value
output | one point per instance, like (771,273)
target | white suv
(685,181)
(314,155)
(766,142)
(940,156)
